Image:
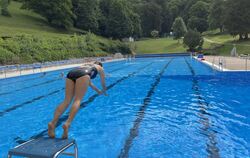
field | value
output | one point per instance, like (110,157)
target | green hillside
(26,37)
(28,22)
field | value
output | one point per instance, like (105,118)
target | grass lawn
(222,44)
(28,22)
(242,48)
(214,43)
(161,45)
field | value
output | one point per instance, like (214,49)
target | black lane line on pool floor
(38,77)
(12,108)
(212,149)
(2,113)
(47,82)
(19,140)
(32,86)
(140,115)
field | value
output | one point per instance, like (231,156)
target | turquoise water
(161,107)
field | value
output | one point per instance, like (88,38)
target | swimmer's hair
(98,63)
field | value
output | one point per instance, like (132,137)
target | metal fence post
(213,61)
(246,65)
(226,62)
(220,64)
(20,71)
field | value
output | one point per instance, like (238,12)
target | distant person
(62,74)
(44,74)
(77,82)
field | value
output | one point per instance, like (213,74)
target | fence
(4,70)
(161,55)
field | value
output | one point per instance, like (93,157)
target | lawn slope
(25,21)
(214,44)
(160,45)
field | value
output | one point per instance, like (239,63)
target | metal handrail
(19,68)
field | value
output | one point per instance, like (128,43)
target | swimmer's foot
(65,131)
(51,130)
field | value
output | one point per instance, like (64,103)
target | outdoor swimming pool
(157,107)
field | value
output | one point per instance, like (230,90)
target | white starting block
(44,148)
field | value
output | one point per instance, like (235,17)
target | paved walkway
(211,41)
(228,63)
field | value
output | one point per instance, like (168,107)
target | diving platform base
(44,148)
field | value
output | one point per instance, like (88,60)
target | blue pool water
(158,107)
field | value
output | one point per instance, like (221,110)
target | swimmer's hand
(99,92)
(104,93)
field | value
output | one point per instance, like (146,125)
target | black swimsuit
(79,72)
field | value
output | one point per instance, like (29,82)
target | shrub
(28,48)
(155,33)
(124,48)
(192,40)
(6,57)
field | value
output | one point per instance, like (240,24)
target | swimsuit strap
(93,72)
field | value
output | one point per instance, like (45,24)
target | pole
(246,64)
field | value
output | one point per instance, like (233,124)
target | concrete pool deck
(47,69)
(223,63)
(220,63)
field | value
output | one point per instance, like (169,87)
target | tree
(118,19)
(199,10)
(237,18)
(119,24)
(216,16)
(136,21)
(162,8)
(185,11)
(199,24)
(57,12)
(175,7)
(87,14)
(4,6)
(167,19)
(199,16)
(192,40)
(104,7)
(151,19)
(179,28)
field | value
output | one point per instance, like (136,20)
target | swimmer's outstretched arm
(95,88)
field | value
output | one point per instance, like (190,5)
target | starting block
(44,148)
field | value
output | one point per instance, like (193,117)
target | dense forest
(139,18)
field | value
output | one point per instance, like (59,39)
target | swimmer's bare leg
(81,88)
(69,93)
